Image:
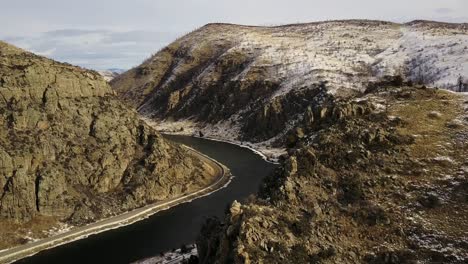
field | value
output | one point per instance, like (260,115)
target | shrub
(351,189)
(371,215)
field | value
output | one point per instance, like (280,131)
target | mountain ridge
(412,22)
(222,79)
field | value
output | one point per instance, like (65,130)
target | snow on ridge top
(346,54)
(304,25)
(350,54)
(434,59)
(437,25)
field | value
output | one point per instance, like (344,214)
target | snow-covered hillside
(434,56)
(242,83)
(110,73)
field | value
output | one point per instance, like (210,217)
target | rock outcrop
(70,150)
(378,180)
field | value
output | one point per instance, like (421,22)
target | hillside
(254,84)
(71,153)
(378,185)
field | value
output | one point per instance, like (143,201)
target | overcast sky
(103,34)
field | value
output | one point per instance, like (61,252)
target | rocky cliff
(71,152)
(383,178)
(254,84)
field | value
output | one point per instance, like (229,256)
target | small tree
(460,84)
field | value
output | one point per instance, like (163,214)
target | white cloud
(444,11)
(96,49)
(47,53)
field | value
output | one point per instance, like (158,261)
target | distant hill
(110,74)
(245,83)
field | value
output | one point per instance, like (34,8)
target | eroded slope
(384,184)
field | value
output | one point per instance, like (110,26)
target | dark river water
(171,228)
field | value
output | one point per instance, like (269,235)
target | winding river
(171,228)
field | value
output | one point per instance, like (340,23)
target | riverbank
(186,253)
(187,128)
(222,180)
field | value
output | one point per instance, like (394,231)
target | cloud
(95,49)
(46,53)
(444,11)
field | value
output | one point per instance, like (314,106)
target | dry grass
(435,139)
(429,130)
(14,234)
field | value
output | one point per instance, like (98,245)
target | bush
(371,215)
(430,200)
(351,189)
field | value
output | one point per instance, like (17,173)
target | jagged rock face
(384,183)
(70,149)
(237,76)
